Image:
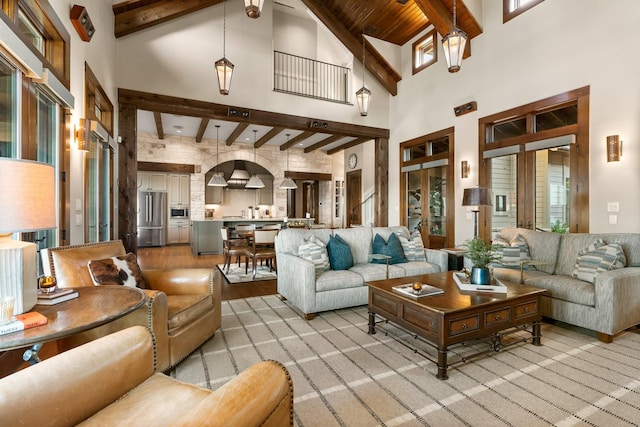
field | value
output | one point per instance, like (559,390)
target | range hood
(239,177)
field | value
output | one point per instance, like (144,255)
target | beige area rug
(237,275)
(344,377)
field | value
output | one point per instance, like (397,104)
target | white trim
(504,151)
(19,53)
(559,141)
(56,88)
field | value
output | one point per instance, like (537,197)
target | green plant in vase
(481,254)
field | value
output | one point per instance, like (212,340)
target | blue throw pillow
(392,248)
(340,256)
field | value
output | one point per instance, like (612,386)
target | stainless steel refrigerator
(152,211)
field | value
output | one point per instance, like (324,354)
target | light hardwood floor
(179,256)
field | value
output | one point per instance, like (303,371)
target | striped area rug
(344,377)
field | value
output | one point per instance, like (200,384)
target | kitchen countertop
(240,219)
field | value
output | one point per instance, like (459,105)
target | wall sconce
(82,134)
(614,148)
(466,168)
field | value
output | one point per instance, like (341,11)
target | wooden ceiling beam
(349,144)
(204,122)
(194,108)
(157,117)
(374,62)
(299,138)
(236,133)
(322,143)
(268,136)
(136,15)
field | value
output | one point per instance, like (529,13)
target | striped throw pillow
(598,257)
(412,247)
(313,249)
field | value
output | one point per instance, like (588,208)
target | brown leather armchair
(111,382)
(182,309)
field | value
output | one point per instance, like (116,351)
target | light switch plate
(613,219)
(613,207)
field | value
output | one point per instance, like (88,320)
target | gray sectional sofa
(311,293)
(608,306)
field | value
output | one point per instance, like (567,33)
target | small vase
(480,276)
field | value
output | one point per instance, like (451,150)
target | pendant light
(224,67)
(288,183)
(254,181)
(217,180)
(363,95)
(253,8)
(453,44)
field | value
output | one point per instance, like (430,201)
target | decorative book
(465,285)
(58,296)
(23,321)
(427,290)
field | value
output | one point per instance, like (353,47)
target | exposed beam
(322,143)
(374,62)
(349,144)
(299,138)
(158,119)
(136,15)
(313,176)
(201,130)
(268,136)
(236,133)
(202,109)
(166,167)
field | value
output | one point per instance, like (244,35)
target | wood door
(354,198)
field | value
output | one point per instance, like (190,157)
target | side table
(456,258)
(381,257)
(95,306)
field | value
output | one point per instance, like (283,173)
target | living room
(550,49)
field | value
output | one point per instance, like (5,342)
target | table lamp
(27,203)
(477,196)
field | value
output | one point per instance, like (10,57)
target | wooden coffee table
(456,316)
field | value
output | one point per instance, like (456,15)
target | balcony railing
(314,79)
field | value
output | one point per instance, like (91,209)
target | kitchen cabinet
(213,195)
(179,190)
(265,194)
(152,181)
(179,231)
(206,238)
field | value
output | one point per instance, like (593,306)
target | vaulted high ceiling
(394,21)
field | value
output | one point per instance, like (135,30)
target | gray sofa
(297,281)
(608,306)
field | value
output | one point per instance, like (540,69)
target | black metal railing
(307,77)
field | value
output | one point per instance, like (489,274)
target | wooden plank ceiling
(394,21)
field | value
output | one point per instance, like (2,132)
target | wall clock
(353,161)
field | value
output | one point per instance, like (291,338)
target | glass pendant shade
(363,97)
(454,43)
(224,70)
(253,8)
(288,184)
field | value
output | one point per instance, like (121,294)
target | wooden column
(382,182)
(127,176)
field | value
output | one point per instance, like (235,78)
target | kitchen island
(206,237)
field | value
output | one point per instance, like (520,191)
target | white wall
(99,54)
(555,47)
(176,58)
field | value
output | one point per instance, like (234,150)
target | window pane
(92,195)
(438,146)
(504,185)
(552,188)
(414,199)
(31,32)
(415,152)
(8,118)
(509,129)
(437,205)
(556,118)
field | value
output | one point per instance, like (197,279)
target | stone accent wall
(184,150)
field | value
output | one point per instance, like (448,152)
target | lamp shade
(288,184)
(217,180)
(27,203)
(27,196)
(224,70)
(254,182)
(454,43)
(477,196)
